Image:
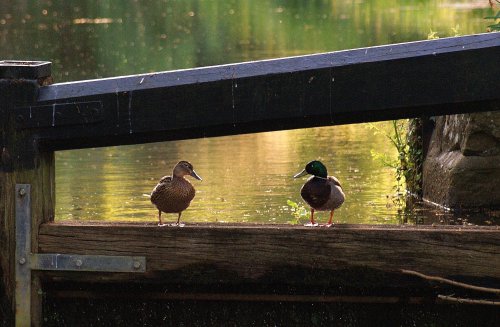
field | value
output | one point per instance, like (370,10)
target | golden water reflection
(246,178)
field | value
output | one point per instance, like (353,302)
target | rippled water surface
(247,178)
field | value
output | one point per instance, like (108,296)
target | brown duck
(321,192)
(173,194)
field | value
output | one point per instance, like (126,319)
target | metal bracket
(27,261)
(73,262)
(23,248)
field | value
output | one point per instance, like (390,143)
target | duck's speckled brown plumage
(173,194)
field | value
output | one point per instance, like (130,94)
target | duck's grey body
(320,191)
(323,194)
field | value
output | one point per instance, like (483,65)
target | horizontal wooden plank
(232,72)
(444,76)
(148,296)
(268,254)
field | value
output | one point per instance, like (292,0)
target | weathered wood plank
(22,163)
(406,80)
(281,253)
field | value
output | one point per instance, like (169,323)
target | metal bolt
(137,265)
(20,118)
(22,261)
(78,263)
(22,192)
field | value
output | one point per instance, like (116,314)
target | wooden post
(21,162)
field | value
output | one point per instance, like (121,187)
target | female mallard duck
(173,194)
(321,192)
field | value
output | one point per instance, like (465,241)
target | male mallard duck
(321,192)
(173,194)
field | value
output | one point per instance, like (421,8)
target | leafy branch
(298,212)
(496,18)
(405,137)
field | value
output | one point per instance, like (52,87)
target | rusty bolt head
(22,192)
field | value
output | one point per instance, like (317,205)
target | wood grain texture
(22,163)
(272,253)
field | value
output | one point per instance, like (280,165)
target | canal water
(246,178)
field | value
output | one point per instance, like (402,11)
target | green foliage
(456,30)
(496,22)
(433,35)
(496,18)
(298,212)
(407,163)
(415,157)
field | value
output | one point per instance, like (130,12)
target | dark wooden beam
(29,70)
(262,255)
(22,162)
(444,76)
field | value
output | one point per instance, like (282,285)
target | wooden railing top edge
(407,80)
(267,67)
(243,226)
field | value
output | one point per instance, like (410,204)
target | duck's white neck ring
(321,177)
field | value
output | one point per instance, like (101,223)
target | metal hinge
(27,261)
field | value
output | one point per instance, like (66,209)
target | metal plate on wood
(59,114)
(23,248)
(73,262)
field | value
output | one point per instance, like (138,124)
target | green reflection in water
(91,39)
(245,178)
(248,177)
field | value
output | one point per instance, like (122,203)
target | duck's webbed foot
(178,223)
(330,221)
(312,223)
(160,223)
